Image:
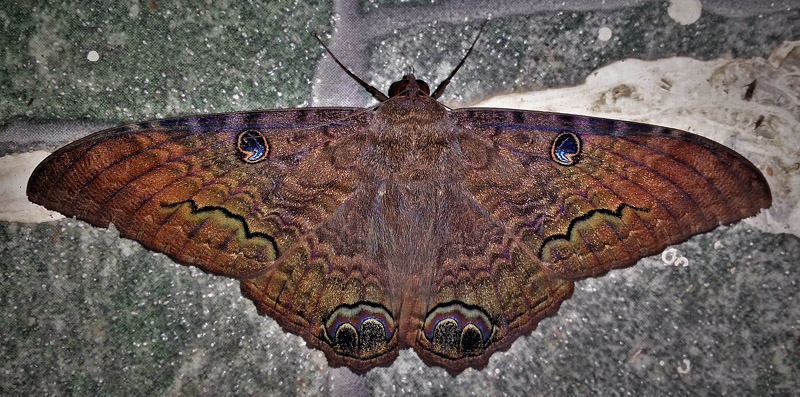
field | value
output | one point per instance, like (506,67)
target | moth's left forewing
(210,191)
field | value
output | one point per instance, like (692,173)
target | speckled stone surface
(87,313)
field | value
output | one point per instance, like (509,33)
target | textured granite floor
(86,313)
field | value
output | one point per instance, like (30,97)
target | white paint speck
(92,56)
(685,368)
(671,256)
(685,12)
(604,34)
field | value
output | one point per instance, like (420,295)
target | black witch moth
(367,231)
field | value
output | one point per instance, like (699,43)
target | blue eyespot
(566,148)
(253,145)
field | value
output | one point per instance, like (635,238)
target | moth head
(409,85)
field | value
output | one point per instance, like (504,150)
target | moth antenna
(372,90)
(440,89)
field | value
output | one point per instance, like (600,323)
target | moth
(406,224)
